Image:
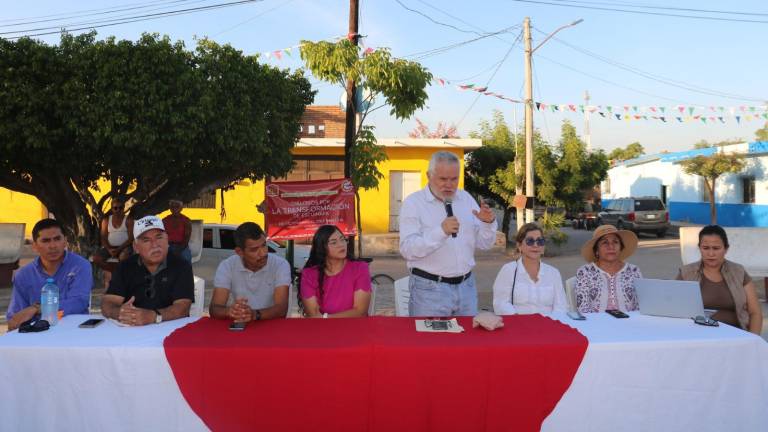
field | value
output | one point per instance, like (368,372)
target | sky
(622,59)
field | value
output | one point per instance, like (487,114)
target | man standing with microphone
(440,228)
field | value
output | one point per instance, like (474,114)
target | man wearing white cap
(151,286)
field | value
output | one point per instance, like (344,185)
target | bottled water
(49,302)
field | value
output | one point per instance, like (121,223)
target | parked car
(638,214)
(219,241)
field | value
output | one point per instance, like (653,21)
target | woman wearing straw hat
(527,285)
(607,282)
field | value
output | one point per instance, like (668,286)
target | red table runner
(374,374)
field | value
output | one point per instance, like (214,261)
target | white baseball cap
(145,224)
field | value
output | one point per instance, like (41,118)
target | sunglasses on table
(541,241)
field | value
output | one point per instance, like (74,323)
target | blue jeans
(437,299)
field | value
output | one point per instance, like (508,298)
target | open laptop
(669,298)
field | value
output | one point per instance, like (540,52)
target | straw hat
(627,237)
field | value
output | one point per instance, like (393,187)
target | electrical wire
(85,13)
(138,18)
(436,21)
(435,51)
(701,17)
(251,19)
(646,6)
(655,77)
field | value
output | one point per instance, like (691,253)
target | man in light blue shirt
(71,272)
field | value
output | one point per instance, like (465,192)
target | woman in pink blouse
(607,282)
(332,284)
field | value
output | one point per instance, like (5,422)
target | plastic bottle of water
(49,302)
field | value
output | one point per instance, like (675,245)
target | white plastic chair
(402,296)
(570,293)
(293,303)
(199,304)
(11,242)
(196,240)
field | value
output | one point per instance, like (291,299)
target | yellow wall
(17,207)
(240,202)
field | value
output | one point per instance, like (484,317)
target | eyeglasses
(337,242)
(530,241)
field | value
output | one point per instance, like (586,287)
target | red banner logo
(296,209)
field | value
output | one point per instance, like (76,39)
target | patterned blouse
(597,290)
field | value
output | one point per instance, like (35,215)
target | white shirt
(425,245)
(259,286)
(544,296)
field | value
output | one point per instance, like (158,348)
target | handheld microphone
(449,211)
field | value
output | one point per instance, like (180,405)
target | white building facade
(741,199)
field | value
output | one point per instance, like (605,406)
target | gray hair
(441,157)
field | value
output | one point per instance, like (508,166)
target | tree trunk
(505,223)
(712,208)
(359,225)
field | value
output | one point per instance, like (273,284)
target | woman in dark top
(725,286)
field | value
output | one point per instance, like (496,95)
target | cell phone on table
(576,315)
(237,326)
(616,313)
(91,323)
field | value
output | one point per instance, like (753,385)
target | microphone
(449,211)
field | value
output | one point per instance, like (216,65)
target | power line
(435,51)
(646,6)
(701,17)
(253,18)
(654,77)
(85,12)
(487,83)
(146,17)
(434,20)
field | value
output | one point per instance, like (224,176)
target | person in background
(527,285)
(439,248)
(116,238)
(179,230)
(725,285)
(251,285)
(71,272)
(152,285)
(332,284)
(607,281)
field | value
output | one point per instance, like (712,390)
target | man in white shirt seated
(440,228)
(251,285)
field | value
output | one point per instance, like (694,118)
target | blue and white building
(741,199)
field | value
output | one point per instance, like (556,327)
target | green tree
(155,120)
(762,133)
(631,151)
(366,154)
(710,168)
(572,172)
(401,83)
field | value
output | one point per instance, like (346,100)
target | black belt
(449,280)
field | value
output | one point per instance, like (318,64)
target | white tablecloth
(664,374)
(638,374)
(107,378)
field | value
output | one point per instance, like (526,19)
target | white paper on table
(453,326)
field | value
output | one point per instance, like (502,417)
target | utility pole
(529,193)
(351,118)
(587,135)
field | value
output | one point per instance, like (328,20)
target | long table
(642,373)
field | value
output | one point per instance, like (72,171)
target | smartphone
(617,313)
(237,326)
(440,325)
(576,315)
(91,323)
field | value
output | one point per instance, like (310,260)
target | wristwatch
(256,315)
(158,317)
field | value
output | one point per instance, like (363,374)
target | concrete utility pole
(351,118)
(529,193)
(587,135)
